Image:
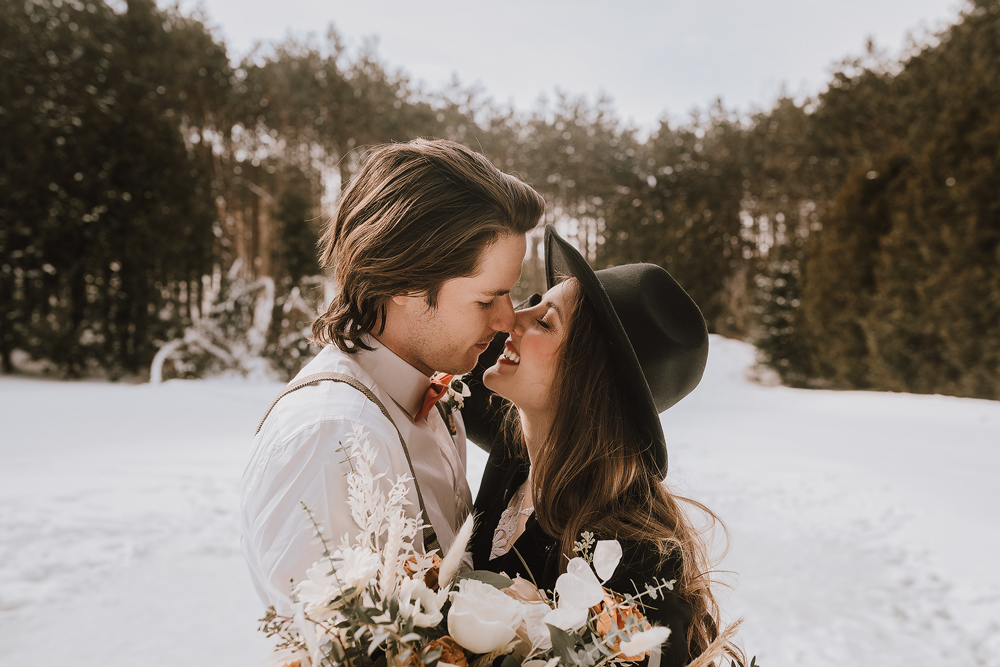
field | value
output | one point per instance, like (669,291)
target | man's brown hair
(416,215)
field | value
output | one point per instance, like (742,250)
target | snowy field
(865,527)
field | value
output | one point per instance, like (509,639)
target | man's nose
(503,319)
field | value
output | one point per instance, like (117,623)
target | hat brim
(562,259)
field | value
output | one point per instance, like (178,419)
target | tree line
(853,236)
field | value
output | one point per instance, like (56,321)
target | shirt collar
(405,384)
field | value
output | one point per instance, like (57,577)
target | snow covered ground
(864,526)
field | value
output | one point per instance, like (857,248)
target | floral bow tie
(438,388)
(447,386)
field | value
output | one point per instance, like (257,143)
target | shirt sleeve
(309,467)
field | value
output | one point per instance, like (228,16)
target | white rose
(481,618)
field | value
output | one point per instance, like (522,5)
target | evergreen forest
(148,183)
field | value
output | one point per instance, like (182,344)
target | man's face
(469,312)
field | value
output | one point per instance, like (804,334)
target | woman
(587,369)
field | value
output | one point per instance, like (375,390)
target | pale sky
(650,57)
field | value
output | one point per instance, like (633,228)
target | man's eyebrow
(498,292)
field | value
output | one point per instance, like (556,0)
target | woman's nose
(522,319)
(521,316)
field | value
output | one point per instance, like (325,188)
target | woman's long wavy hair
(590,474)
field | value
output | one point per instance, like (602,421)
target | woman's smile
(510,355)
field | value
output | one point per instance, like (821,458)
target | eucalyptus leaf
(563,645)
(509,661)
(495,580)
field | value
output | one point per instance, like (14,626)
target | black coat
(639,566)
(504,474)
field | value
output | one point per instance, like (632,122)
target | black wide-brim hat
(658,336)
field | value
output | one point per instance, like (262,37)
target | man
(425,246)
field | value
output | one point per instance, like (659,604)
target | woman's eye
(543,324)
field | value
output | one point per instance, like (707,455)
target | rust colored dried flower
(612,614)
(430,564)
(451,653)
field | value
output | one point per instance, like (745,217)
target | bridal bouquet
(377,601)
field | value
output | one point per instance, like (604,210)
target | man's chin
(461,365)
(459,368)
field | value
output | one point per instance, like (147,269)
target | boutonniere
(456,390)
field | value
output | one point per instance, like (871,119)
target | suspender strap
(430,537)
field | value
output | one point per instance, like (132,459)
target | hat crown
(664,327)
(657,334)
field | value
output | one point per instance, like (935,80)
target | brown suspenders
(430,538)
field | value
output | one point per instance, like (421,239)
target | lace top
(503,536)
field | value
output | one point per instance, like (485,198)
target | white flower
(482,619)
(523,590)
(351,568)
(541,663)
(533,631)
(578,587)
(644,641)
(456,393)
(569,619)
(453,559)
(607,555)
(418,602)
(356,567)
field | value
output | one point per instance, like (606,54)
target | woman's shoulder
(641,558)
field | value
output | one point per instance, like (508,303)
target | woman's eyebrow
(553,306)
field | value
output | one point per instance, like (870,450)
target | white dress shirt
(295,460)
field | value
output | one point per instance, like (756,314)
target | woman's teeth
(511,356)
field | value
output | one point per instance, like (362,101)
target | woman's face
(526,371)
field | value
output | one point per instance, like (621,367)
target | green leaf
(495,580)
(563,645)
